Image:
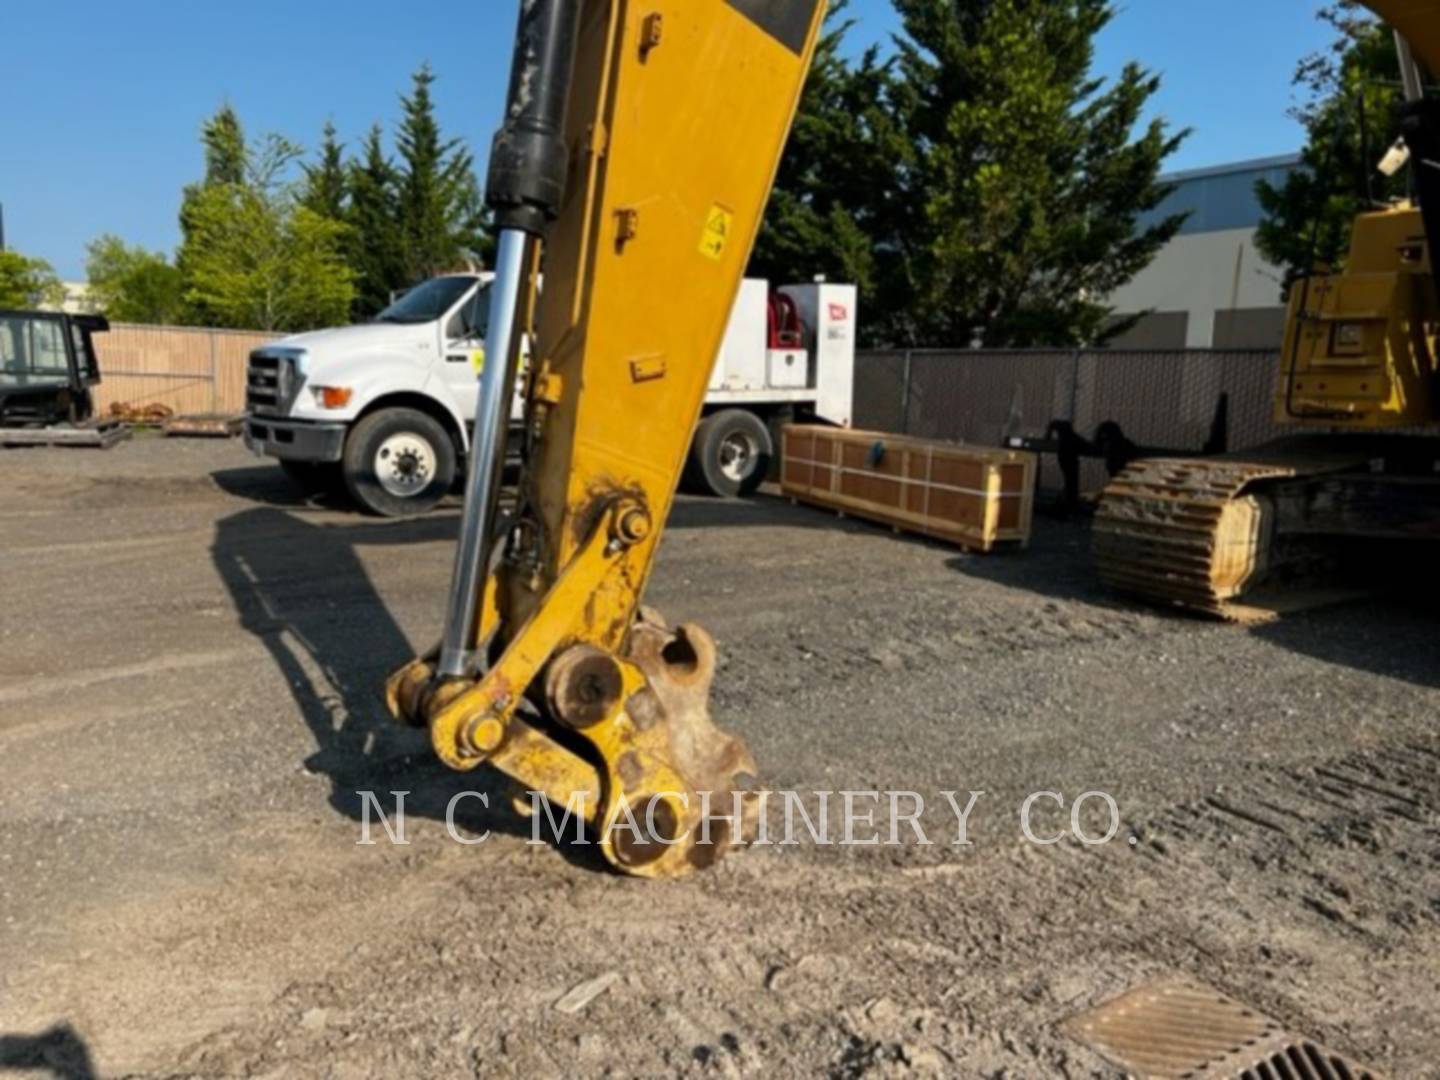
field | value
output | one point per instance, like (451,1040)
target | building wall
(1210,287)
(1206,276)
(78,300)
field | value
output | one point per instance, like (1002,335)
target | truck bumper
(295,440)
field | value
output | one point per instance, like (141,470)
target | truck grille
(269,385)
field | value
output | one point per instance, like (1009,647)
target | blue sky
(106,99)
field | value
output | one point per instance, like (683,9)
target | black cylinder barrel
(528,160)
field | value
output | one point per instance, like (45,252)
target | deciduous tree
(27,282)
(131,284)
(254,256)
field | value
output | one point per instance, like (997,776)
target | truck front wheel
(399,463)
(730,455)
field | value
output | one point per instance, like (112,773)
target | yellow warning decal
(718,224)
(477,360)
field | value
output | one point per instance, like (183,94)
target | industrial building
(1210,287)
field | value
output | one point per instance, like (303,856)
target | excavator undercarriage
(1300,521)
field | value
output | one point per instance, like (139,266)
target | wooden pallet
(977,498)
(204,426)
(101,435)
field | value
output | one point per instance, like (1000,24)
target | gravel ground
(190,664)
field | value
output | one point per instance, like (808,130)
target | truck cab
(385,408)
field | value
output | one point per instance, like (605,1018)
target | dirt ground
(190,664)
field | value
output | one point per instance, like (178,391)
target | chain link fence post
(905,395)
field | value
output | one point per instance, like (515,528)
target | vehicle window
(32,352)
(427,302)
(84,353)
(473,320)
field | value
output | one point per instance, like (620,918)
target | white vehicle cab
(386,407)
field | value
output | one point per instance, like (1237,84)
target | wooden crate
(971,496)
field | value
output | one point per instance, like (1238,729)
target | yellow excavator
(1244,535)
(638,149)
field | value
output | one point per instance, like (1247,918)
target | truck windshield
(427,302)
(32,352)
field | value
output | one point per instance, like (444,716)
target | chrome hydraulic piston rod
(525,186)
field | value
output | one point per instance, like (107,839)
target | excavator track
(1189,533)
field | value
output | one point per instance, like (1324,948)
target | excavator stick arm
(645,187)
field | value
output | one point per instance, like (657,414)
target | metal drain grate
(1184,1031)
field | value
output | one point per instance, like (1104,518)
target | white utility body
(387,406)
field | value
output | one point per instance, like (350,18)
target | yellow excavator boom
(1418,22)
(639,148)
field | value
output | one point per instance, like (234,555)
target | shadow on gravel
(59,1052)
(298,584)
(1057,565)
(1394,638)
(773,511)
(267,484)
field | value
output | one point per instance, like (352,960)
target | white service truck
(386,407)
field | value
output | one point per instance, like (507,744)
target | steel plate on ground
(1177,1030)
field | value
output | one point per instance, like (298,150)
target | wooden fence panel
(190,370)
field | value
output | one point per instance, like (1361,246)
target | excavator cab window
(87,365)
(32,351)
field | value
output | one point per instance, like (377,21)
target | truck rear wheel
(731,454)
(399,463)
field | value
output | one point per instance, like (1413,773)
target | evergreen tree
(1018,179)
(1351,94)
(377,246)
(441,217)
(834,179)
(326,181)
(226,161)
(225,152)
(980,186)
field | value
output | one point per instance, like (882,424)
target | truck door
(462,347)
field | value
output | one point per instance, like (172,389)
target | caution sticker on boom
(718,224)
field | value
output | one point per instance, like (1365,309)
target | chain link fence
(1161,399)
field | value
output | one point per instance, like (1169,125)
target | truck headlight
(332,397)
